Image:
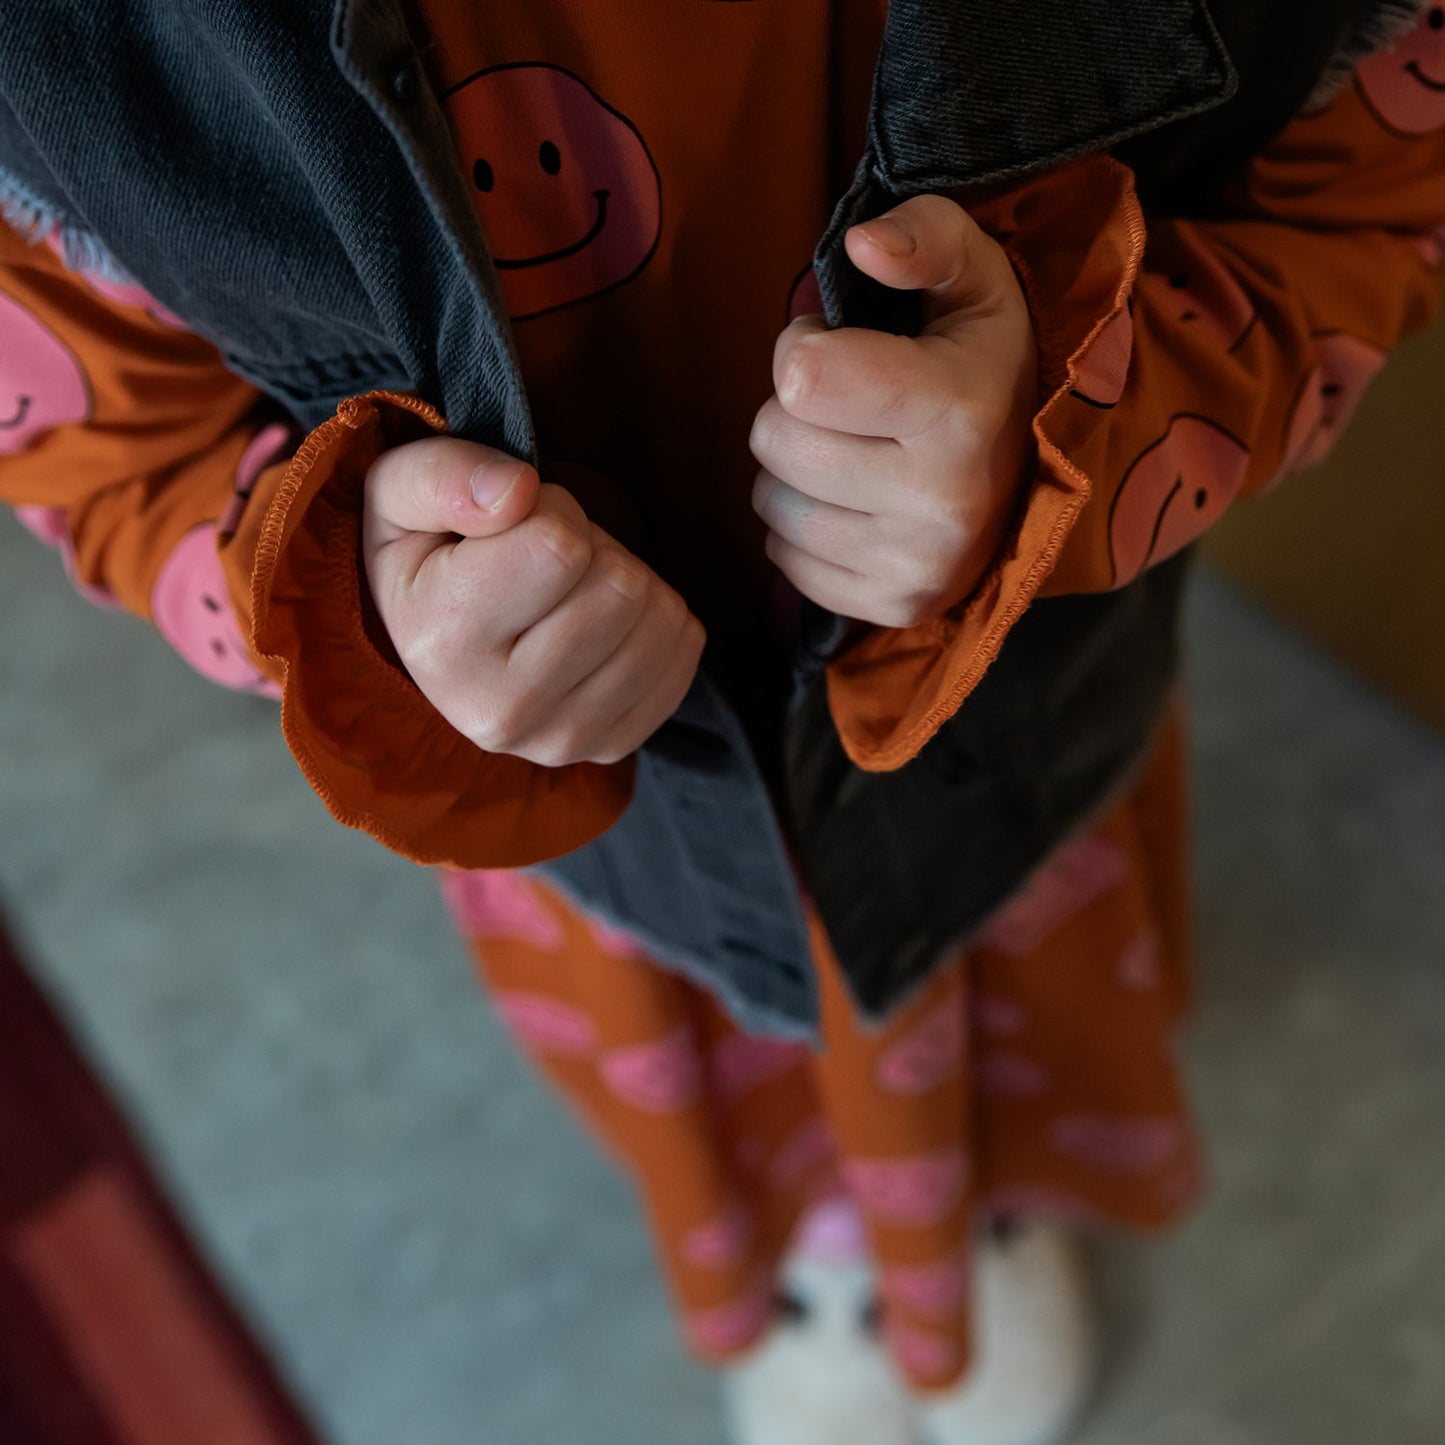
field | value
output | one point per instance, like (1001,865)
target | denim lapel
(972,91)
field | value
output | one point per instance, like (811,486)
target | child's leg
(1031,1077)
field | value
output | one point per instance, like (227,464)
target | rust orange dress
(652,184)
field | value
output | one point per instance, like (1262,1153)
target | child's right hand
(531,630)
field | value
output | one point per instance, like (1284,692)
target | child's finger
(642,684)
(833,466)
(504,585)
(839,535)
(865,383)
(584,627)
(931,244)
(446,486)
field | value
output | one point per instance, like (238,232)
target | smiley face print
(1404,85)
(1328,397)
(566,189)
(1176,489)
(192,610)
(1189,284)
(41,383)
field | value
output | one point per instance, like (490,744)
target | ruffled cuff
(377,753)
(1076,239)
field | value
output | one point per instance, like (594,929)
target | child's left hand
(892,464)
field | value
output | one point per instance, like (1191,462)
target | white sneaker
(821,1376)
(1034,1347)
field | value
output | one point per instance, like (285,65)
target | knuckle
(493,730)
(501,723)
(626,579)
(766,433)
(561,543)
(560,747)
(671,610)
(799,374)
(898,610)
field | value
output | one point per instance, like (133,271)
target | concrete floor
(436,1256)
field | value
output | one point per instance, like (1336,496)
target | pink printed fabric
(1032,1076)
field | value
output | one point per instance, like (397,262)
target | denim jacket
(280,173)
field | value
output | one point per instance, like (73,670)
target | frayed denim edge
(38,220)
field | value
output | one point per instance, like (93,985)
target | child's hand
(891,464)
(527,627)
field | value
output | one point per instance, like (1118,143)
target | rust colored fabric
(112,1332)
(1185,364)
(1033,1075)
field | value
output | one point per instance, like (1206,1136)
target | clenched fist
(892,464)
(531,630)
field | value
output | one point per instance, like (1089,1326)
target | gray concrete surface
(439,1259)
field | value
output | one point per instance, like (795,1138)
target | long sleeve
(1186,363)
(171,488)
(129,447)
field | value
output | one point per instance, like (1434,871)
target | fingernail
(492,485)
(889,236)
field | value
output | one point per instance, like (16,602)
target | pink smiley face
(1328,398)
(192,610)
(1405,84)
(1177,489)
(41,383)
(567,192)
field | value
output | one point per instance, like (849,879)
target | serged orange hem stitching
(901,750)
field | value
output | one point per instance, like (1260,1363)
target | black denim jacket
(280,173)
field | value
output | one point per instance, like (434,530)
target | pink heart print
(721,1243)
(661,1077)
(1005,1075)
(1074,876)
(743,1061)
(1118,1145)
(807,1150)
(546,1024)
(930,1053)
(999,1017)
(914,1192)
(939,1287)
(731,1326)
(501,903)
(920,1351)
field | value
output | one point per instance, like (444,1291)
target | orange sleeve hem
(895,688)
(376,752)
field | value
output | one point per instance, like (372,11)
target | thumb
(931,244)
(443,485)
